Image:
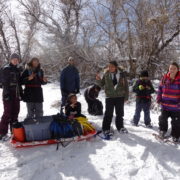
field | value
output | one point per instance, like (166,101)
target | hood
(120,69)
(176,78)
(28,66)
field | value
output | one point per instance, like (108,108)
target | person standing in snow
(143,89)
(12,93)
(33,78)
(169,98)
(95,106)
(116,88)
(69,81)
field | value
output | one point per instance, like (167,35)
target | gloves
(141,87)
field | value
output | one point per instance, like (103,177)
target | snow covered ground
(135,156)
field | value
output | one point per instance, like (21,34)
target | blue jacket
(69,79)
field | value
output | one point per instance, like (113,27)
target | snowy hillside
(135,156)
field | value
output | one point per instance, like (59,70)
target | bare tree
(4,44)
(140,31)
(11,40)
(138,34)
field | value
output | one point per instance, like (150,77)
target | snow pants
(10,114)
(175,122)
(34,110)
(118,105)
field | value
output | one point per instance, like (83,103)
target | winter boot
(149,126)
(175,140)
(123,131)
(162,134)
(134,124)
(3,137)
(107,134)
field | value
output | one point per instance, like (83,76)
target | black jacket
(90,94)
(76,111)
(33,90)
(145,94)
(69,80)
(11,82)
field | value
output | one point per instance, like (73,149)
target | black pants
(64,98)
(90,104)
(118,104)
(175,123)
(95,107)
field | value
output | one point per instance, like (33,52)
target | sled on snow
(17,144)
(49,130)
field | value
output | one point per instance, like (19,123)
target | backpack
(37,129)
(61,127)
(18,132)
(86,126)
(96,108)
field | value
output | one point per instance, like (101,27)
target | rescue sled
(18,144)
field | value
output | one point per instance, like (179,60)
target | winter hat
(70,96)
(95,86)
(14,56)
(70,59)
(144,73)
(114,63)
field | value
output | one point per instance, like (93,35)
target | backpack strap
(29,72)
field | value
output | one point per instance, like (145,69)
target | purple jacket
(169,93)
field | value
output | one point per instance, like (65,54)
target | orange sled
(18,144)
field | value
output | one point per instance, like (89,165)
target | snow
(132,156)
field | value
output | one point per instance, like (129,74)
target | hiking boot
(162,134)
(149,126)
(107,134)
(123,131)
(107,137)
(175,140)
(2,136)
(134,124)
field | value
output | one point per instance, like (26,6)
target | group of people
(113,81)
(12,80)
(115,84)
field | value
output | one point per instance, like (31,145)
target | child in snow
(73,107)
(33,78)
(143,89)
(12,93)
(73,111)
(169,98)
(95,106)
(116,89)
